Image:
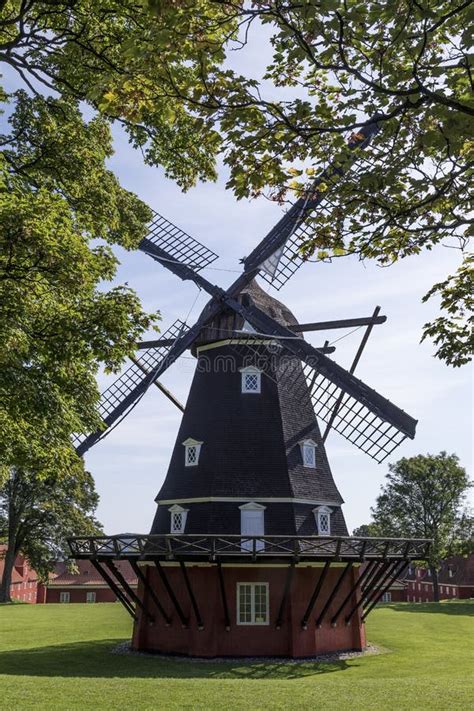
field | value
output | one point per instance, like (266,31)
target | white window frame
(91,596)
(450,573)
(387,597)
(251,370)
(65,596)
(308,453)
(177,513)
(252,622)
(320,512)
(192,452)
(247,543)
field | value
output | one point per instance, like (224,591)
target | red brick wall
(25,592)
(80,594)
(214,640)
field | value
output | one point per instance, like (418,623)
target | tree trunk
(12,539)
(9,561)
(434,577)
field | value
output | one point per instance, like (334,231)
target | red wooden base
(290,640)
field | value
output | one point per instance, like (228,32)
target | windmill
(249,535)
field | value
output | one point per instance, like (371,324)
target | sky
(131,463)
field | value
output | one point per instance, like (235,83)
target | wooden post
(224,597)
(187,582)
(357,584)
(114,587)
(286,591)
(333,594)
(139,573)
(315,595)
(131,593)
(170,591)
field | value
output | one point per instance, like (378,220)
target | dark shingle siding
(217,517)
(250,441)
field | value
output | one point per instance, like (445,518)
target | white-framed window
(178,518)
(387,597)
(428,572)
(441,589)
(90,597)
(410,570)
(450,572)
(251,379)
(252,604)
(322,515)
(64,597)
(252,523)
(308,453)
(192,450)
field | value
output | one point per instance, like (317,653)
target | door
(252,524)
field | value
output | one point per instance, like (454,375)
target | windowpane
(176,522)
(323,523)
(252,603)
(245,604)
(191,455)
(309,455)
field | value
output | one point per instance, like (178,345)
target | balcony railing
(249,548)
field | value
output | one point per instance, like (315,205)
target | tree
(423,498)
(335,67)
(367,530)
(38,513)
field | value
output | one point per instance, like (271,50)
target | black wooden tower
(248,552)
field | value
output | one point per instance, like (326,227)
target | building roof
(22,572)
(87,575)
(456,570)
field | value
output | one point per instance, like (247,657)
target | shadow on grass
(446,608)
(94,659)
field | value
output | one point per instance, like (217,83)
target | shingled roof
(87,575)
(250,443)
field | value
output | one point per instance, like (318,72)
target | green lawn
(58,657)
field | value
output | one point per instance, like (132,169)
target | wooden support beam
(315,595)
(341,323)
(374,579)
(224,597)
(384,589)
(187,582)
(333,594)
(184,620)
(114,587)
(353,589)
(355,362)
(167,393)
(375,570)
(376,589)
(156,343)
(140,574)
(286,592)
(131,593)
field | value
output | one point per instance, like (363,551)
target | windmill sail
(178,245)
(277,256)
(117,399)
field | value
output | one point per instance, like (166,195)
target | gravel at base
(125,648)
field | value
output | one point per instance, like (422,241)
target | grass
(58,657)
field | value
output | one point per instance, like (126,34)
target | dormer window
(322,515)
(192,450)
(178,519)
(308,453)
(251,379)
